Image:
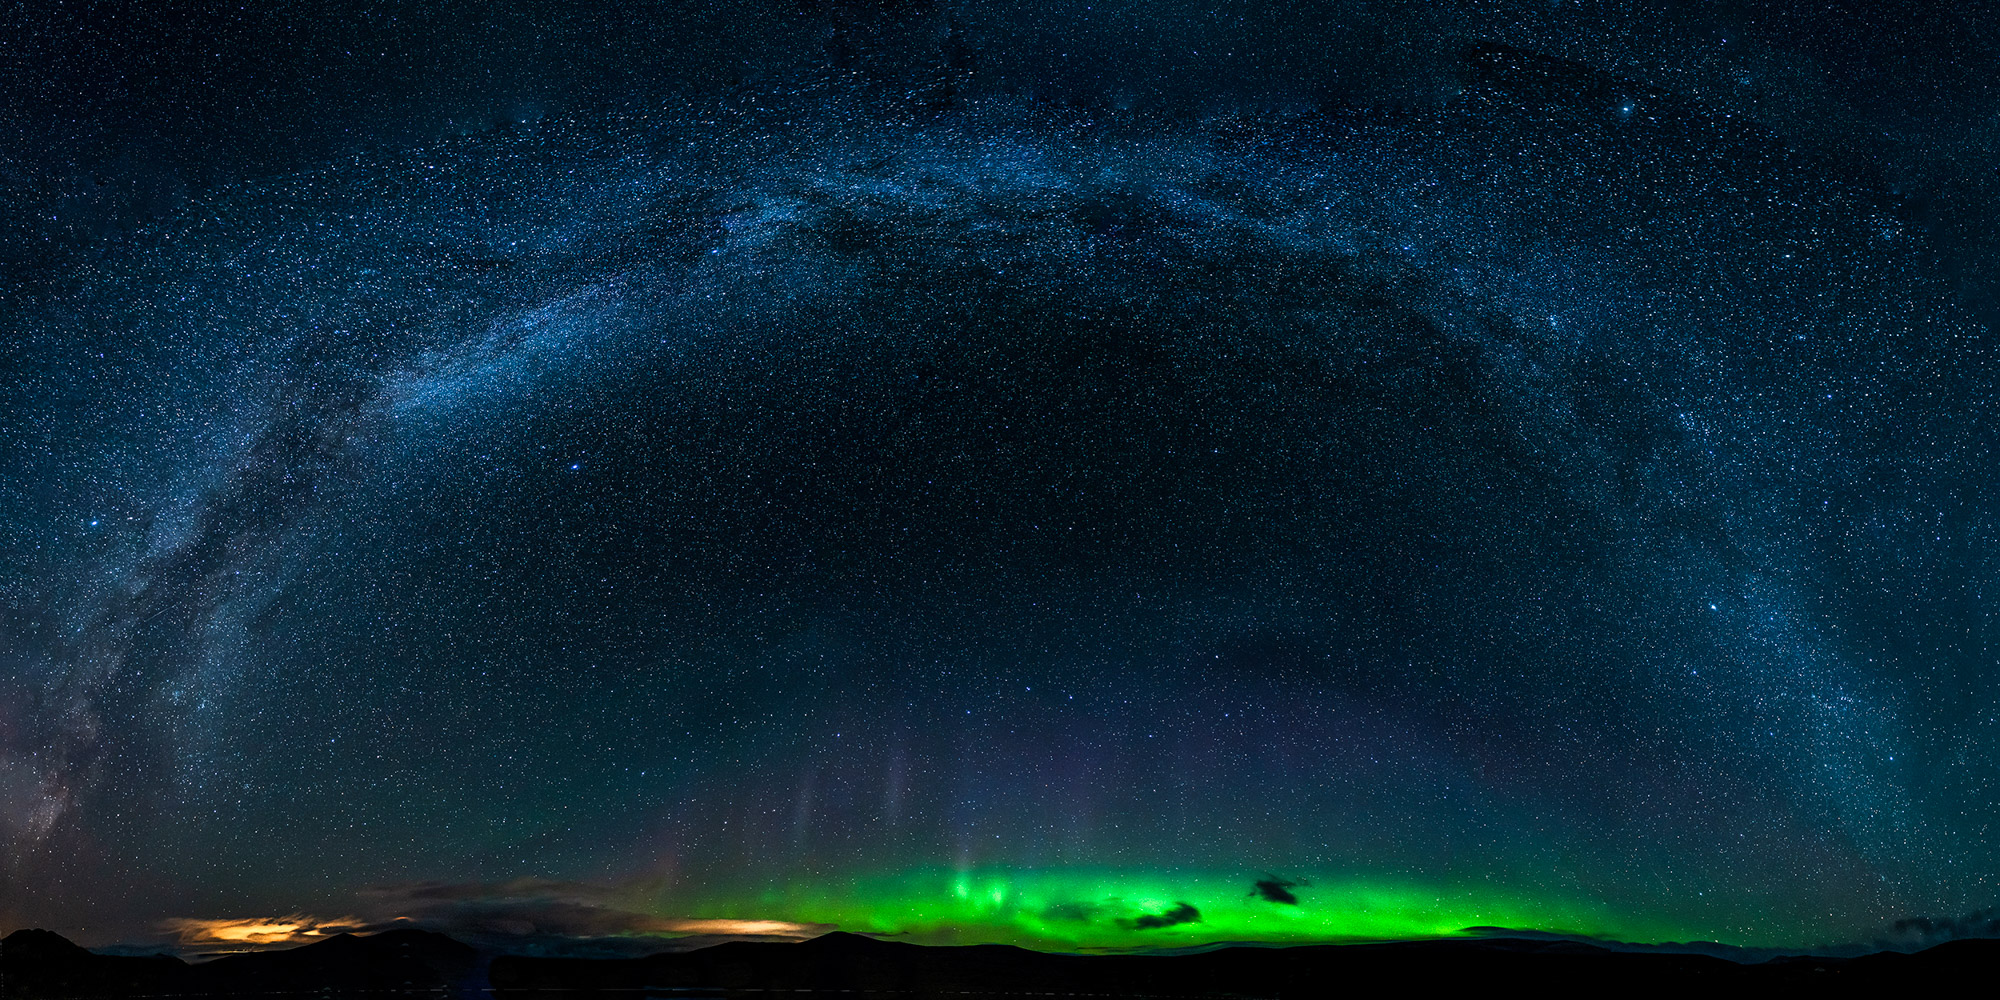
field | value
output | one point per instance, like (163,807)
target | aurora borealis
(1108,476)
(1119,908)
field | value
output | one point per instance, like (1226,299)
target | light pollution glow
(294,929)
(722,927)
(247,933)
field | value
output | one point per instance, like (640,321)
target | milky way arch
(1563,488)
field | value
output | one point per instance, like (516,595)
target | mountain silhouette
(849,962)
(36,964)
(39,965)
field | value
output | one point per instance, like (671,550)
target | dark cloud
(520,908)
(1275,889)
(1923,932)
(1072,912)
(569,919)
(1182,913)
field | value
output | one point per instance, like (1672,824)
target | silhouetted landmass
(42,963)
(39,964)
(848,962)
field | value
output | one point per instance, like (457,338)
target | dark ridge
(851,963)
(39,964)
(393,960)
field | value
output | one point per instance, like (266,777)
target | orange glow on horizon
(750,928)
(257,931)
(252,933)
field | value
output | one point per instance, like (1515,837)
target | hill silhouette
(37,964)
(849,962)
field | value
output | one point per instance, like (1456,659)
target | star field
(889,473)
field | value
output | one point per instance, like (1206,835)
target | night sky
(1123,475)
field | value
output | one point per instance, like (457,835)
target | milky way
(1559,503)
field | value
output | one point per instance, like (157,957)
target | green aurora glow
(1100,910)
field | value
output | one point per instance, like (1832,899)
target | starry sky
(1120,475)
